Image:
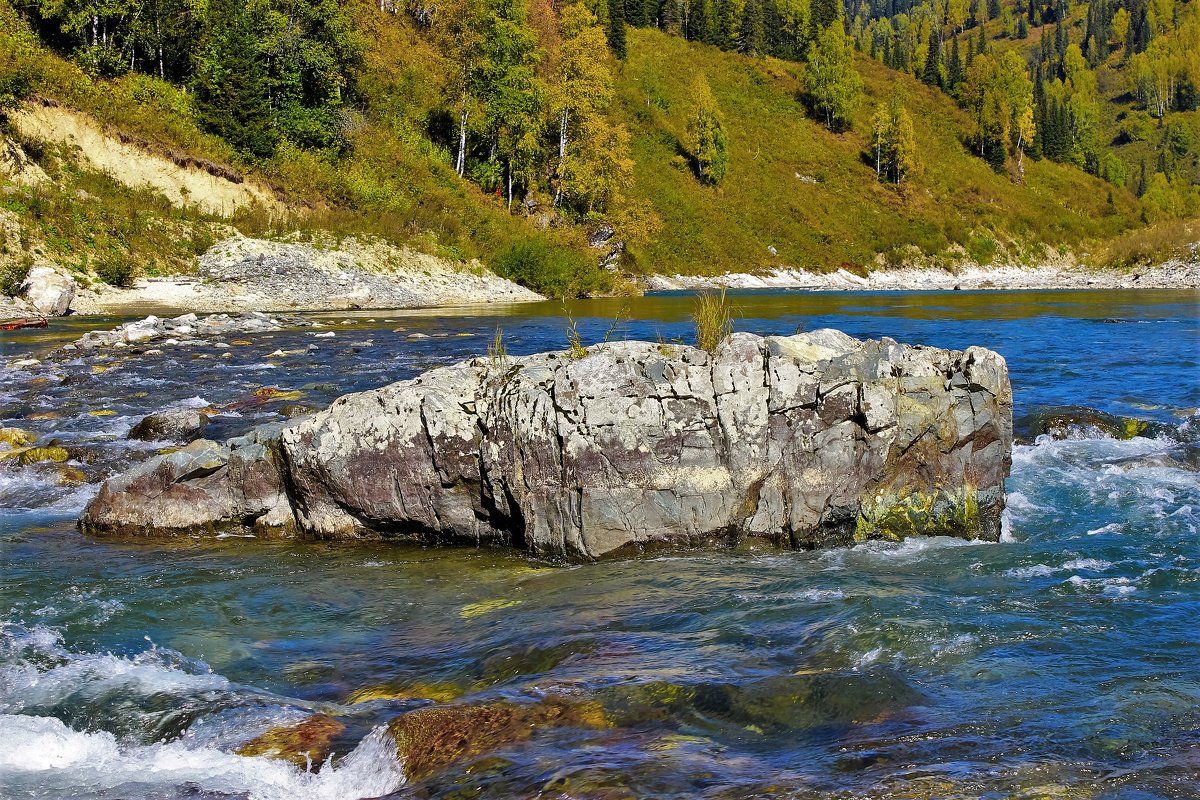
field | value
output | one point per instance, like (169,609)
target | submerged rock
(769,706)
(429,739)
(176,425)
(17,437)
(306,744)
(26,456)
(1068,422)
(186,329)
(801,441)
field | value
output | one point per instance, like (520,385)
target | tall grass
(713,320)
(1158,242)
(497,353)
(575,348)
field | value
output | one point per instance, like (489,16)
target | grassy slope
(399,185)
(847,215)
(395,184)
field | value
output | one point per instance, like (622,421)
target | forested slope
(712,136)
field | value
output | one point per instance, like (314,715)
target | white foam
(44,757)
(868,658)
(1094,564)
(956,644)
(1109,587)
(25,488)
(1036,571)
(820,595)
(80,678)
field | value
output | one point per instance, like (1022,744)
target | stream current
(1062,662)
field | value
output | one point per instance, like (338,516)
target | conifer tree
(822,14)
(750,34)
(699,23)
(231,81)
(635,13)
(669,16)
(725,32)
(775,39)
(615,32)
(955,74)
(932,73)
(894,140)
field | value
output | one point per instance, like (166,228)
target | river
(1062,662)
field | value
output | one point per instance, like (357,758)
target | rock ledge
(804,441)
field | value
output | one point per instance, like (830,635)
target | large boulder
(173,425)
(802,441)
(49,291)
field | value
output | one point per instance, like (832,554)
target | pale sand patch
(133,165)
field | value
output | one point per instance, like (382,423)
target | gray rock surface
(49,291)
(174,425)
(182,330)
(802,441)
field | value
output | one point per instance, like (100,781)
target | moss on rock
(307,743)
(438,691)
(895,516)
(35,455)
(17,437)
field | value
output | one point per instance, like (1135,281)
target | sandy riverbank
(1169,275)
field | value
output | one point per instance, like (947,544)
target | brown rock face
(430,739)
(800,441)
(305,744)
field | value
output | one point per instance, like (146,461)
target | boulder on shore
(49,291)
(804,441)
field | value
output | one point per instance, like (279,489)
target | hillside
(553,139)
(813,195)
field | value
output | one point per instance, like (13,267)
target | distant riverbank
(1169,275)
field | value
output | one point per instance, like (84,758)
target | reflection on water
(1061,662)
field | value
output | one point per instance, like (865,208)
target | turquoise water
(1062,662)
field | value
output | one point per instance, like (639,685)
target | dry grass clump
(713,320)
(497,353)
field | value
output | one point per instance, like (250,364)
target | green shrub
(549,269)
(982,249)
(12,274)
(1137,127)
(115,271)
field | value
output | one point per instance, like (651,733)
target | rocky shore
(1169,275)
(804,441)
(243,274)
